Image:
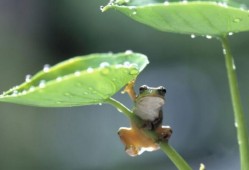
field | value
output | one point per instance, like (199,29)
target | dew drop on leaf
(58,79)
(127,64)
(89,70)
(208,36)
(15,92)
(68,94)
(237,20)
(28,78)
(128,52)
(77,73)
(166,3)
(133,72)
(105,71)
(42,84)
(104,64)
(192,36)
(24,92)
(184,1)
(46,68)
(32,88)
(222,4)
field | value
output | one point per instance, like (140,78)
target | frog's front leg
(129,88)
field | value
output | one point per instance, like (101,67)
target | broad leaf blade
(200,18)
(78,81)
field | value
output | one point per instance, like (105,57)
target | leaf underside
(78,81)
(200,17)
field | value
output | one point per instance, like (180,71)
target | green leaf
(199,17)
(78,81)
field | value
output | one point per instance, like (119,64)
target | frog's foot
(136,142)
(132,150)
(164,133)
(129,139)
(129,88)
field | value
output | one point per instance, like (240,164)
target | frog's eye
(162,90)
(143,88)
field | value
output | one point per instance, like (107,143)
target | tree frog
(148,107)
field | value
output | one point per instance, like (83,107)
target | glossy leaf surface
(200,17)
(78,81)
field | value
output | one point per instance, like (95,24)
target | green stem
(127,112)
(179,162)
(240,122)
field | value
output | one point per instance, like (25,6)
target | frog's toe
(132,150)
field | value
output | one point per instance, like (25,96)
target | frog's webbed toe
(132,150)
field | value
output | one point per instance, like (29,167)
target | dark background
(198,107)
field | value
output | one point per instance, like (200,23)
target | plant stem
(179,162)
(240,122)
(122,108)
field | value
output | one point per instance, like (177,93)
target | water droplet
(224,51)
(235,124)
(89,70)
(46,68)
(128,52)
(68,94)
(243,7)
(58,79)
(24,92)
(100,104)
(32,88)
(14,93)
(234,66)
(184,1)
(192,36)
(105,71)
(104,64)
(237,20)
(58,102)
(133,72)
(28,78)
(222,4)
(42,83)
(102,8)
(127,64)
(230,33)
(133,10)
(166,3)
(208,36)
(85,93)
(77,73)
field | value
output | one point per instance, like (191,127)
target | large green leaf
(78,81)
(196,17)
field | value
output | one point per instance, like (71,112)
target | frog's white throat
(148,108)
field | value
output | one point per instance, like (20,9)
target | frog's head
(145,91)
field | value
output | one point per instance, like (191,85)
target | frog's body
(148,107)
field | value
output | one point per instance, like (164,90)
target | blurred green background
(198,107)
